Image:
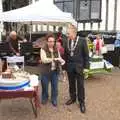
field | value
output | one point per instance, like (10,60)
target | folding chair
(15,60)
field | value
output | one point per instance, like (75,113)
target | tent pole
(30,32)
(1,23)
(1,30)
(77,26)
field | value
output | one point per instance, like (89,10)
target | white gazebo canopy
(41,12)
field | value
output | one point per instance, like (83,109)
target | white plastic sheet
(43,11)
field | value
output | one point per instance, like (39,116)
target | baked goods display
(14,80)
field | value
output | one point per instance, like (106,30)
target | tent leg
(30,32)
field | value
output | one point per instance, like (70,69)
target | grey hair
(13,33)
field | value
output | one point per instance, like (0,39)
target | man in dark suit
(77,59)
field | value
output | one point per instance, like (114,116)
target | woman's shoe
(54,103)
(44,102)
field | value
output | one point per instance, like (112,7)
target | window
(82,10)
(65,5)
(95,9)
(89,10)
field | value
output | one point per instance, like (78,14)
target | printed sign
(96,65)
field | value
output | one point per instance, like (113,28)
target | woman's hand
(56,59)
(59,60)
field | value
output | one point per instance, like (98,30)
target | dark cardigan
(46,67)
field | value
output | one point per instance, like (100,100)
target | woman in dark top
(50,57)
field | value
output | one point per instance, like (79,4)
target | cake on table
(14,81)
(15,78)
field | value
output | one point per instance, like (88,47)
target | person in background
(77,59)
(13,40)
(98,44)
(59,35)
(62,73)
(50,58)
(60,48)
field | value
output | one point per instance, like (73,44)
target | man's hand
(86,70)
(86,74)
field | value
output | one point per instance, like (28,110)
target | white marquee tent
(41,12)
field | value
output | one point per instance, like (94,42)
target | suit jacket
(80,59)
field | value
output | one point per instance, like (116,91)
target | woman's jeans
(53,78)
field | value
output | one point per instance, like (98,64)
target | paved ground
(102,102)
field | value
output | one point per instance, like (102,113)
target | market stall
(98,65)
(97,62)
(41,12)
